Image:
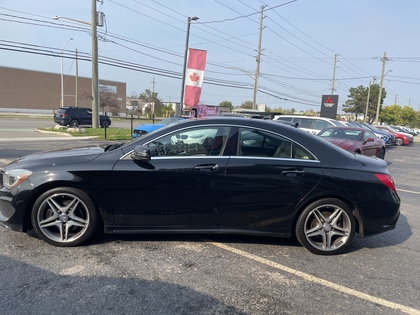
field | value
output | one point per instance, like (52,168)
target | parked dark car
(249,176)
(355,140)
(78,116)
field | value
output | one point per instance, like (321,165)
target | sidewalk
(39,135)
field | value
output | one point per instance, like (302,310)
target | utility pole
(257,71)
(153,98)
(179,108)
(395,102)
(368,97)
(95,72)
(384,59)
(333,79)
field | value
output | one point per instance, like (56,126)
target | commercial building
(26,90)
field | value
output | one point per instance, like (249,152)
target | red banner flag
(194,76)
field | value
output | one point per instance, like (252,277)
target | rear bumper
(378,215)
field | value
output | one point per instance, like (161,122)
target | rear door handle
(206,168)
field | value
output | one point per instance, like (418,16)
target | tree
(390,114)
(110,100)
(408,116)
(227,104)
(247,105)
(356,104)
(106,99)
(397,115)
(155,105)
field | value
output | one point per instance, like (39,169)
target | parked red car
(356,140)
(401,138)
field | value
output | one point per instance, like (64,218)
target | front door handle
(293,172)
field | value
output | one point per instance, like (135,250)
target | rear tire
(74,123)
(381,154)
(326,227)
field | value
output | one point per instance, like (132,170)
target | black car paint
(230,194)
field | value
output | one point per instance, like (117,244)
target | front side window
(368,135)
(198,141)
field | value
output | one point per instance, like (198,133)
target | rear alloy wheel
(399,141)
(326,227)
(74,123)
(64,217)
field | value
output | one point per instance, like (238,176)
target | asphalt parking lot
(201,274)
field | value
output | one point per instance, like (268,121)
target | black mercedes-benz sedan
(217,175)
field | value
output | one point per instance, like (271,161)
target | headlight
(13,178)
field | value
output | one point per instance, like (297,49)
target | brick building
(26,90)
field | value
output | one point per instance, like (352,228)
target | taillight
(387,180)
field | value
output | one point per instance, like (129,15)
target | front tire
(105,124)
(326,227)
(64,217)
(399,141)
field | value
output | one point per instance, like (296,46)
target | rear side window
(258,143)
(287,119)
(321,124)
(304,122)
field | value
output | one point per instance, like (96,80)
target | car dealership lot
(215,274)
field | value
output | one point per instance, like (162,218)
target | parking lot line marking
(326,283)
(409,191)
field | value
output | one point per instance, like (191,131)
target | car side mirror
(141,153)
(370,140)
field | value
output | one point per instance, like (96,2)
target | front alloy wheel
(326,227)
(64,217)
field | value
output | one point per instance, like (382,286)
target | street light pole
(62,81)
(181,103)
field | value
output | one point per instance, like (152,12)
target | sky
(142,43)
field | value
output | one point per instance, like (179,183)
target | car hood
(60,157)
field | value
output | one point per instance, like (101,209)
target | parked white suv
(309,123)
